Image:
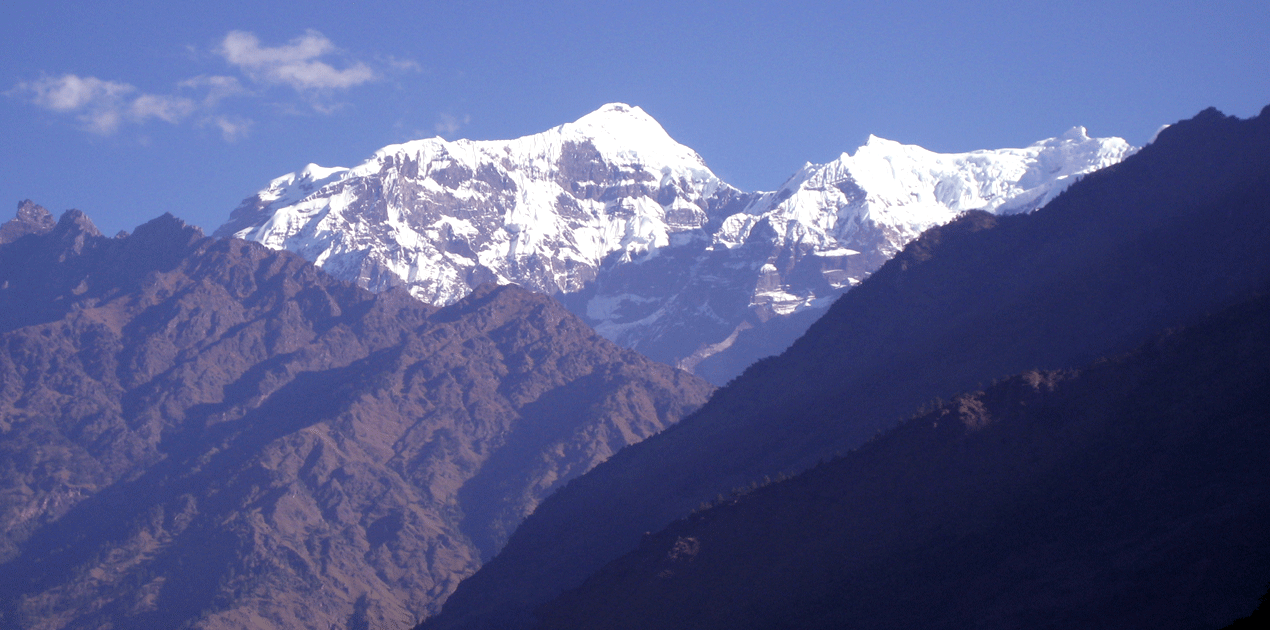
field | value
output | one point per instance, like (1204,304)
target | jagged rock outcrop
(31,219)
(206,433)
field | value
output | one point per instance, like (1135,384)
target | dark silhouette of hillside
(205,433)
(1132,493)
(1257,619)
(1175,232)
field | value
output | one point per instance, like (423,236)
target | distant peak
(1210,113)
(875,141)
(617,114)
(625,132)
(874,145)
(75,221)
(30,211)
(166,219)
(620,108)
(1075,133)
(167,227)
(31,219)
(74,231)
(315,172)
(1205,122)
(1157,133)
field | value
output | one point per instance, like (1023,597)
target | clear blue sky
(130,109)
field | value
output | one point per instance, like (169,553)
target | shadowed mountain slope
(1174,232)
(1133,493)
(209,434)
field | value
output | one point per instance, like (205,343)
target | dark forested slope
(1172,233)
(1133,493)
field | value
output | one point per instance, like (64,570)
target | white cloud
(449,124)
(102,121)
(103,106)
(232,128)
(69,92)
(295,64)
(218,88)
(403,65)
(172,109)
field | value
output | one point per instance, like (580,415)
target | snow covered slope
(541,211)
(873,203)
(633,232)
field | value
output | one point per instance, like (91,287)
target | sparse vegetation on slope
(206,432)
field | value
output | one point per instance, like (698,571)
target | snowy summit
(632,229)
(542,211)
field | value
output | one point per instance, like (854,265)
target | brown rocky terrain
(205,433)
(31,219)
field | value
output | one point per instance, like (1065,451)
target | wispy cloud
(449,124)
(102,106)
(232,128)
(69,92)
(404,65)
(218,88)
(305,65)
(296,64)
(172,109)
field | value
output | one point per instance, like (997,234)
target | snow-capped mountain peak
(442,216)
(296,186)
(627,134)
(660,254)
(839,221)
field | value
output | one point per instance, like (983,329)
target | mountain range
(1163,240)
(635,234)
(218,433)
(205,433)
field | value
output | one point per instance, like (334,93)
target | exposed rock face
(31,219)
(635,234)
(1173,233)
(210,433)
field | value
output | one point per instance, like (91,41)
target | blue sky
(130,109)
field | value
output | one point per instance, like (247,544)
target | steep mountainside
(209,434)
(1134,493)
(1172,233)
(634,232)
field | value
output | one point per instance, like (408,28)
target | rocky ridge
(31,219)
(205,433)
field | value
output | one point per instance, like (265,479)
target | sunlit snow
(550,210)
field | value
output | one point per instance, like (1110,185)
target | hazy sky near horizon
(130,109)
